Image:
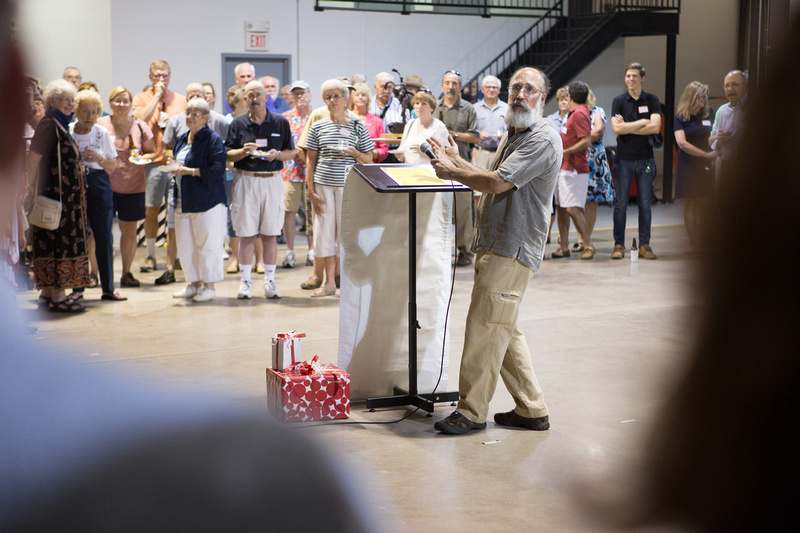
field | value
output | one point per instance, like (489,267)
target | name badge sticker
(275,134)
(344,132)
(261,143)
(643,109)
(706,123)
(564,130)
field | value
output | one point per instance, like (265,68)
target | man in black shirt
(258,143)
(636,115)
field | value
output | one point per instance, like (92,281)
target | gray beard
(523,119)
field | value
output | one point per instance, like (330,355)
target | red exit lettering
(258,41)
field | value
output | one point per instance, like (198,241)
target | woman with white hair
(60,256)
(200,203)
(99,158)
(333,145)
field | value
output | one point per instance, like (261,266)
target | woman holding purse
(54,170)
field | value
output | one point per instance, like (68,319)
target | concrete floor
(606,338)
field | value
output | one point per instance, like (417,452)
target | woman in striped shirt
(333,145)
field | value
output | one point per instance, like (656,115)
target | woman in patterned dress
(60,258)
(600,187)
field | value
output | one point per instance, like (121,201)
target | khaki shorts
(293,195)
(257,206)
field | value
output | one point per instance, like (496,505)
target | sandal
(577,247)
(93,282)
(558,254)
(66,306)
(322,291)
(113,296)
(75,296)
(232,269)
(311,283)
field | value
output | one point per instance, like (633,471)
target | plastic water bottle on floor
(634,252)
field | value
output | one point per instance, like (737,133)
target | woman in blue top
(200,212)
(694,179)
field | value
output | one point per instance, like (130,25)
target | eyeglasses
(160,76)
(66,99)
(705,96)
(527,91)
(329,97)
(195,114)
(457,73)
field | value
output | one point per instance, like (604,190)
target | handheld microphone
(425,148)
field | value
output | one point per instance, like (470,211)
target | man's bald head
(194,90)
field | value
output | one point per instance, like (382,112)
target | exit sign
(256,35)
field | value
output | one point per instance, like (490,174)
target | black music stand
(382,183)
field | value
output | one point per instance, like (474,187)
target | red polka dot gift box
(308,391)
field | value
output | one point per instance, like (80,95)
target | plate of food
(261,154)
(136,160)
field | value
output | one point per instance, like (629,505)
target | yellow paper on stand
(415,176)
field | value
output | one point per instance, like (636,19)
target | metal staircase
(562,43)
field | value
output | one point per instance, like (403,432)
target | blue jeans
(624,172)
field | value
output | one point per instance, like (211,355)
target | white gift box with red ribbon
(286,349)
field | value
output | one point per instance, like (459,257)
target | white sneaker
(289,261)
(245,290)
(271,290)
(188,292)
(205,295)
(310,258)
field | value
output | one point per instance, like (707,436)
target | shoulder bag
(46,212)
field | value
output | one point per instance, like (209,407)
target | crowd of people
(283,158)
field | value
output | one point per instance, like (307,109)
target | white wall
(114,41)
(331,43)
(57,33)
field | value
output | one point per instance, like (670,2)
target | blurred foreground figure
(83,450)
(723,455)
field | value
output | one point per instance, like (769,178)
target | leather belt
(259,174)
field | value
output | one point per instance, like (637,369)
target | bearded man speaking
(510,234)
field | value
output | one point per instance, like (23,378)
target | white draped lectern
(396,258)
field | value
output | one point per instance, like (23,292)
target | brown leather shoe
(558,254)
(588,253)
(619,252)
(645,252)
(128,280)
